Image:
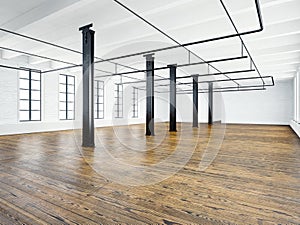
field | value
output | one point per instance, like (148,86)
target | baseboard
(295,127)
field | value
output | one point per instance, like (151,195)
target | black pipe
(189,43)
(166,35)
(223,80)
(182,65)
(204,92)
(241,39)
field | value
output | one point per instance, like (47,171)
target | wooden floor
(253,178)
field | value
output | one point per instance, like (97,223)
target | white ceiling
(276,50)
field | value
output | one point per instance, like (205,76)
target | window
(29,96)
(99,99)
(66,97)
(119,101)
(135,108)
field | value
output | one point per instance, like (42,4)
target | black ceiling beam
(165,34)
(201,75)
(20,68)
(257,6)
(241,39)
(237,90)
(229,88)
(182,65)
(57,46)
(223,80)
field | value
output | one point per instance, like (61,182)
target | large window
(135,106)
(29,96)
(66,97)
(99,99)
(119,101)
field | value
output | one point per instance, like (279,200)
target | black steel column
(210,103)
(149,95)
(88,86)
(172,97)
(195,100)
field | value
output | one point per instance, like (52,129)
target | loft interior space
(149,112)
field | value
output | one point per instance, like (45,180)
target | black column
(172,97)
(210,103)
(88,86)
(150,95)
(195,100)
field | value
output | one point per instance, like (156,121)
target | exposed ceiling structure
(275,50)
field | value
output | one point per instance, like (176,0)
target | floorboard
(220,174)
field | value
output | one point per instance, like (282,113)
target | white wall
(9,98)
(295,123)
(273,106)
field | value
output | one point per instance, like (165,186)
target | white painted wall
(273,106)
(9,95)
(295,123)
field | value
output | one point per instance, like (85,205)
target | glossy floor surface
(224,174)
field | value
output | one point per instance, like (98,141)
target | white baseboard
(296,127)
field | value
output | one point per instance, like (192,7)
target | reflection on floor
(241,174)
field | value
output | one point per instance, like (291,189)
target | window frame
(135,104)
(119,101)
(98,102)
(66,93)
(29,99)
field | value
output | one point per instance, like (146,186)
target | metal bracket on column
(210,103)
(195,100)
(172,97)
(88,86)
(149,94)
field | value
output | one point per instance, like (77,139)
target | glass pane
(62,88)
(35,76)
(24,94)
(35,105)
(24,105)
(24,115)
(35,95)
(62,115)
(24,74)
(62,97)
(62,79)
(71,80)
(101,107)
(24,84)
(70,106)
(35,115)
(70,115)
(35,85)
(71,97)
(62,106)
(71,89)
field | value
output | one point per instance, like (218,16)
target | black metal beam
(226,88)
(195,42)
(190,43)
(233,90)
(195,100)
(150,95)
(19,68)
(88,86)
(241,39)
(210,103)
(181,65)
(172,125)
(166,35)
